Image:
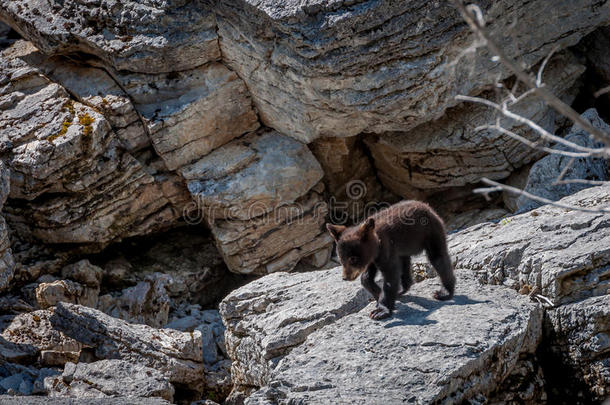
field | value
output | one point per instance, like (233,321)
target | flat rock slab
(268,317)
(562,254)
(428,352)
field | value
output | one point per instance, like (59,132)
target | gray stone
(109,378)
(578,336)
(12,400)
(22,380)
(177,355)
(545,172)
(428,352)
(309,64)
(559,253)
(49,294)
(139,36)
(147,302)
(33,333)
(451,152)
(84,273)
(267,318)
(188,114)
(257,195)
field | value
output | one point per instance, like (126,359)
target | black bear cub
(385,242)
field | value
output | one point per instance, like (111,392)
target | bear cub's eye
(353,261)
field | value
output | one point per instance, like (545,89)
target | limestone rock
(109,378)
(559,253)
(33,331)
(139,36)
(578,336)
(147,302)
(256,194)
(267,318)
(20,380)
(308,65)
(450,152)
(429,351)
(191,113)
(84,273)
(545,172)
(7,261)
(61,155)
(177,355)
(49,294)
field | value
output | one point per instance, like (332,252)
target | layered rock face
(335,69)
(140,36)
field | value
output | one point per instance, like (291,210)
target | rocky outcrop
(427,352)
(148,37)
(49,294)
(177,355)
(73,181)
(9,400)
(258,191)
(546,171)
(265,319)
(561,254)
(188,114)
(20,380)
(109,378)
(451,152)
(337,69)
(577,337)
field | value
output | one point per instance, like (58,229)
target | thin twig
(503,187)
(601,91)
(564,171)
(543,65)
(533,145)
(473,16)
(543,132)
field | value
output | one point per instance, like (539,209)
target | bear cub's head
(357,247)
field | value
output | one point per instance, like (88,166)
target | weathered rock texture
(177,355)
(73,180)
(7,262)
(339,69)
(109,378)
(258,195)
(450,152)
(547,170)
(33,333)
(561,254)
(140,36)
(578,337)
(427,352)
(267,318)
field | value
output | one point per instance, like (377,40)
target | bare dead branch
(564,171)
(533,145)
(601,91)
(473,15)
(605,152)
(543,65)
(495,186)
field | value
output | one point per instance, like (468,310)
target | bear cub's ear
(367,229)
(335,230)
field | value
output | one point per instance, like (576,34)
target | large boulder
(331,351)
(561,254)
(258,194)
(339,69)
(544,173)
(139,36)
(451,152)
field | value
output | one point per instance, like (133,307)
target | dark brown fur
(385,242)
